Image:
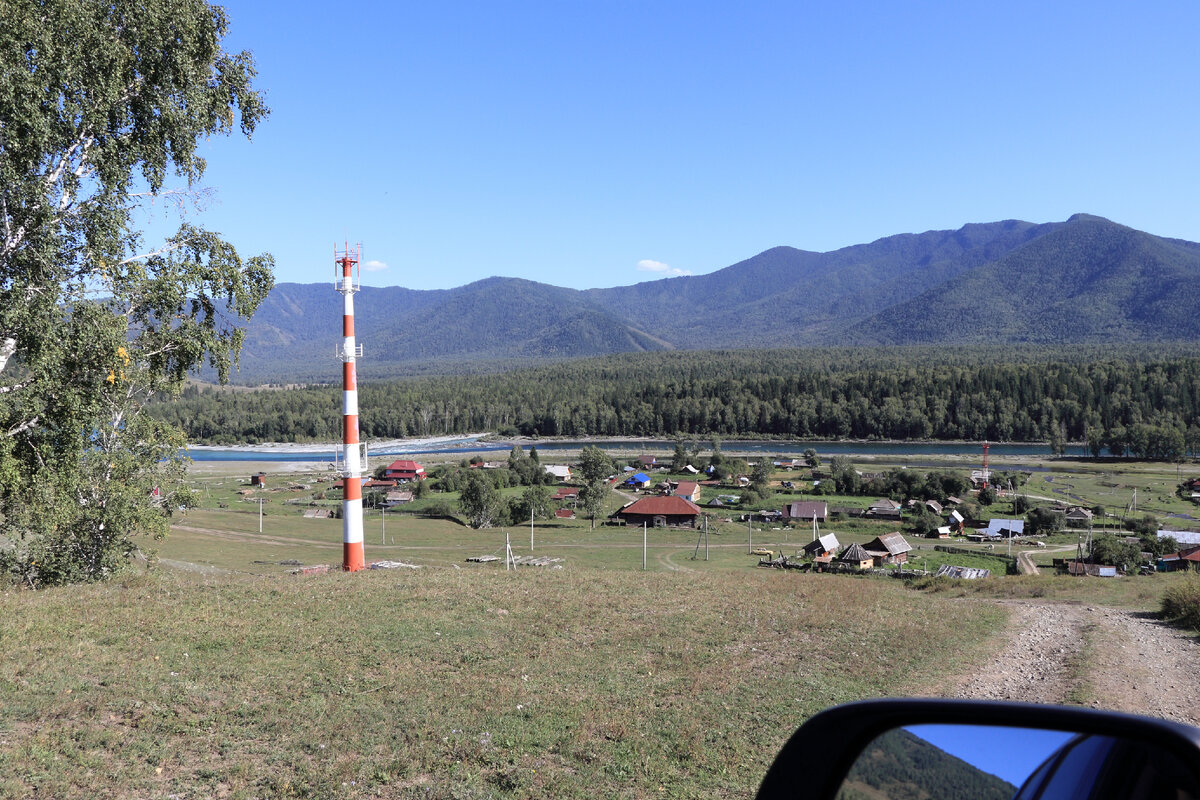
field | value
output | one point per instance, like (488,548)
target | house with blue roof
(638,480)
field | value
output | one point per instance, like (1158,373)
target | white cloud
(650,265)
(374,266)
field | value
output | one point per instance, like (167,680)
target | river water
(786,449)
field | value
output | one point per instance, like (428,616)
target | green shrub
(1181,603)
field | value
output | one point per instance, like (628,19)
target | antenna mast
(346,282)
(986,475)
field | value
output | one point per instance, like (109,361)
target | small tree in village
(93,321)
(679,459)
(595,466)
(480,502)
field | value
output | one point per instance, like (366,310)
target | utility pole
(643,545)
(531,529)
(749,534)
(260,513)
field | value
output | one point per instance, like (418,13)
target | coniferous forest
(1128,403)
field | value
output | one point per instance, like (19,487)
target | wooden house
(826,545)
(890,548)
(806,511)
(659,512)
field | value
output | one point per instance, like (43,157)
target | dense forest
(1128,405)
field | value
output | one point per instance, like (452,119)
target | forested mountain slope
(1086,280)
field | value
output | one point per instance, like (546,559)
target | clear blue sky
(1009,753)
(568,142)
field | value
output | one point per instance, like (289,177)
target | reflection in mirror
(948,762)
(942,762)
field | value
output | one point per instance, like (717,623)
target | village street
(1108,658)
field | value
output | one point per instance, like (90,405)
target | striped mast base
(353,557)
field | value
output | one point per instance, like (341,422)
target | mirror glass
(984,762)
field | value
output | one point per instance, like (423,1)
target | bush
(1181,603)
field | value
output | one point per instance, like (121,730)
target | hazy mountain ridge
(1084,280)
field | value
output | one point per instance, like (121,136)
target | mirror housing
(815,760)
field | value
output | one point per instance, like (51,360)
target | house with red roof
(403,470)
(688,489)
(660,512)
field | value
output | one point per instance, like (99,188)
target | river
(786,449)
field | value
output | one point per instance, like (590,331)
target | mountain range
(1085,280)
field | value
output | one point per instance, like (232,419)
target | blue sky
(607,143)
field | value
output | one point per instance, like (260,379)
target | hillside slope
(1086,280)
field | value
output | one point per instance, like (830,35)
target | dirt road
(1090,655)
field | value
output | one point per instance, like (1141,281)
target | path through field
(1102,657)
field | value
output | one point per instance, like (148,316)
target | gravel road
(1107,658)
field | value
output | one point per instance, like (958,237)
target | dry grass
(447,683)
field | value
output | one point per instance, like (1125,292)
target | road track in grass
(1084,654)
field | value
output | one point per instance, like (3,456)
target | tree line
(1126,407)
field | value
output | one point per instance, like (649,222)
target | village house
(647,461)
(398,498)
(806,511)
(638,480)
(659,512)
(884,509)
(688,489)
(1079,517)
(824,546)
(561,472)
(890,548)
(403,470)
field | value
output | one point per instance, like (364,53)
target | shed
(259,479)
(856,556)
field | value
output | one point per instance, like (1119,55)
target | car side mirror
(942,749)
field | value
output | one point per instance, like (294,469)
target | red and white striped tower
(352,509)
(987,476)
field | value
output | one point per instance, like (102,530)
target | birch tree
(101,108)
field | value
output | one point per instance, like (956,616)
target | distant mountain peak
(1084,280)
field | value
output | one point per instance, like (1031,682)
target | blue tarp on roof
(640,477)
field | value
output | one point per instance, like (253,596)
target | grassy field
(449,683)
(225,676)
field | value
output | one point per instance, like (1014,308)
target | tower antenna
(346,281)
